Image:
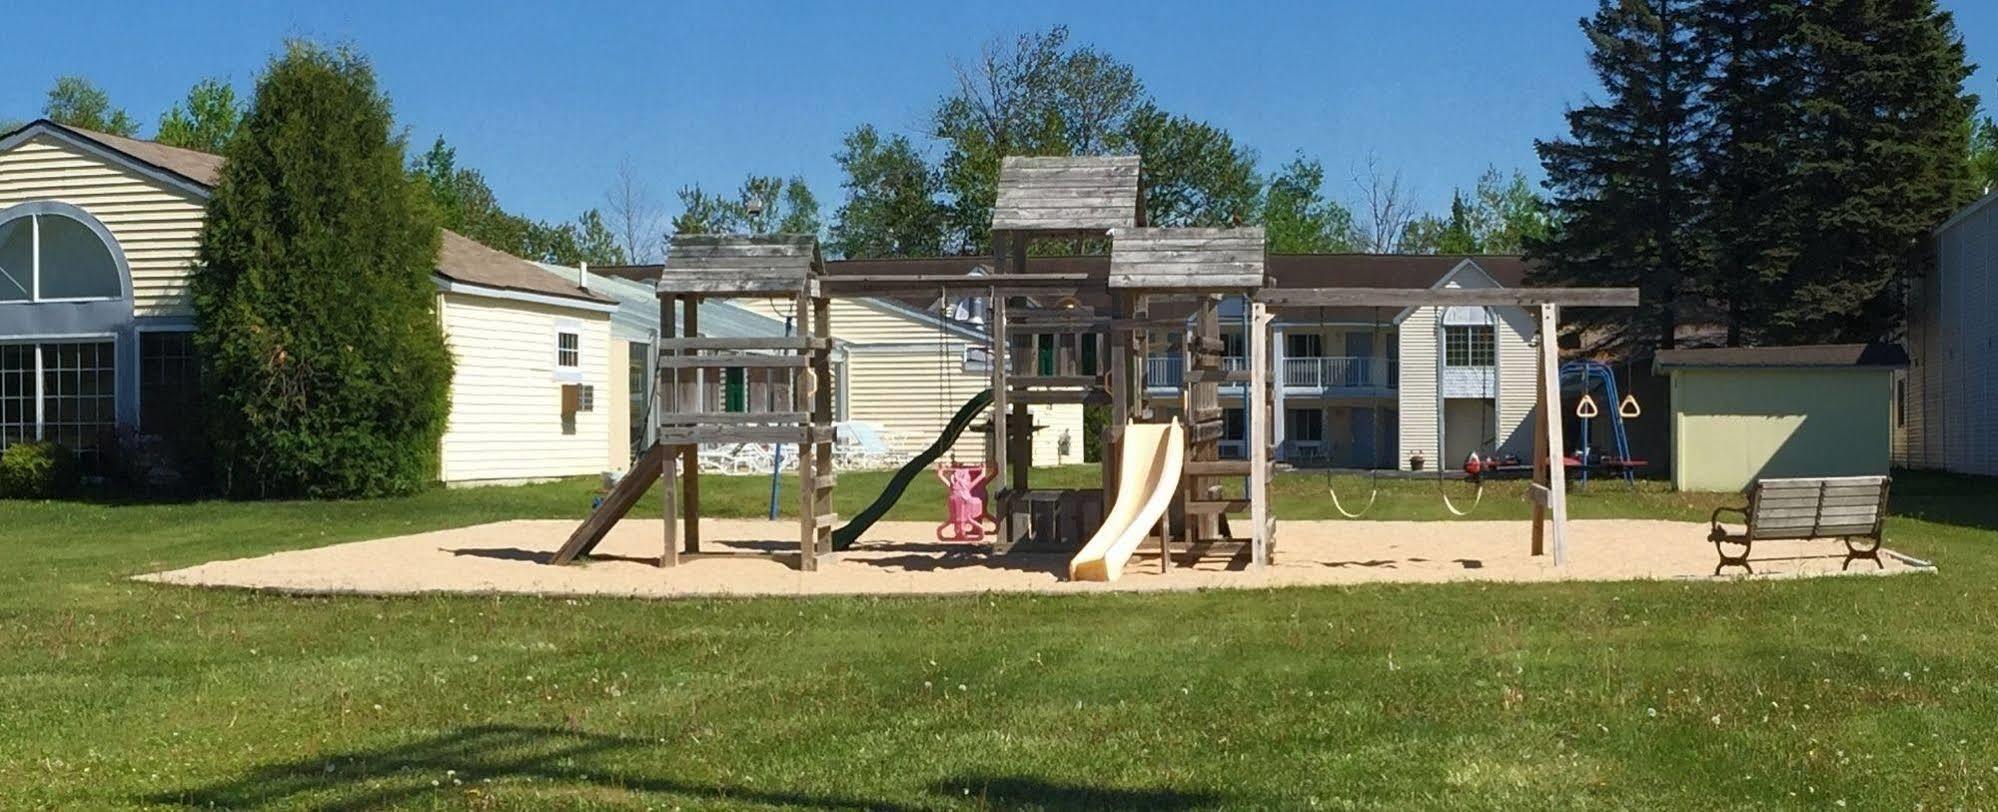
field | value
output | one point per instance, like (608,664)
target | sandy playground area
(902,558)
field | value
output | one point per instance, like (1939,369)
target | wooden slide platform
(644,471)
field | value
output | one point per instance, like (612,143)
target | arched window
(51,256)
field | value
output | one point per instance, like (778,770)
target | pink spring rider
(964,487)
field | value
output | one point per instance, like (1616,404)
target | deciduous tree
(77,102)
(205,120)
(893,204)
(764,204)
(1296,215)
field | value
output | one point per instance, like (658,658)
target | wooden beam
(669,403)
(690,482)
(884,284)
(769,343)
(1259,435)
(723,361)
(1447,297)
(1550,419)
(616,504)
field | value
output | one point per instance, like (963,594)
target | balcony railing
(1341,372)
(1333,373)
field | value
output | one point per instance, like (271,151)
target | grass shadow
(428,771)
(1961,500)
(1026,792)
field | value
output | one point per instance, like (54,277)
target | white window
(1469,346)
(1303,345)
(568,351)
(53,257)
(61,392)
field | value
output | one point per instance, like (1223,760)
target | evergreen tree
(892,207)
(1624,180)
(205,120)
(325,370)
(1880,162)
(1754,208)
(77,102)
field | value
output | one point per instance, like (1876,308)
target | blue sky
(547,98)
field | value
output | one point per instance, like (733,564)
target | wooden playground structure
(1165,291)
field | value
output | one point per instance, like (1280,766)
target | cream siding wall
(615,401)
(506,420)
(1420,343)
(1517,368)
(894,373)
(903,389)
(156,226)
(860,321)
(1731,427)
(1416,400)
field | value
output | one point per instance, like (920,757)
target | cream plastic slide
(1149,475)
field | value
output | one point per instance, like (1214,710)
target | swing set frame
(1548,492)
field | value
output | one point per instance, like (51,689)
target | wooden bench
(1847,508)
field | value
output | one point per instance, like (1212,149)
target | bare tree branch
(1387,206)
(634,215)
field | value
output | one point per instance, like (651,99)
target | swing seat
(1623,463)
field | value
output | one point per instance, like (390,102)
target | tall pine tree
(1753,214)
(1624,180)
(325,371)
(1880,162)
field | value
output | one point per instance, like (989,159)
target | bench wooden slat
(1809,508)
(1847,514)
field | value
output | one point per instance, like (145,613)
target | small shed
(1745,413)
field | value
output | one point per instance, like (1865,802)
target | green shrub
(38,470)
(323,366)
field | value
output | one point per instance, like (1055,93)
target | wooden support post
(669,403)
(803,393)
(1548,471)
(822,417)
(1259,435)
(1026,364)
(690,491)
(1116,354)
(1001,458)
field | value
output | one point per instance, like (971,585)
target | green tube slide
(844,537)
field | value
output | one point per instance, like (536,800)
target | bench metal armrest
(1714,520)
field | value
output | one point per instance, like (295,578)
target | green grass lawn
(1878,692)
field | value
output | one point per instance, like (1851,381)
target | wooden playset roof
(1187,258)
(741,264)
(1078,194)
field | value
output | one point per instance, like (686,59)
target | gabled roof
(459,258)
